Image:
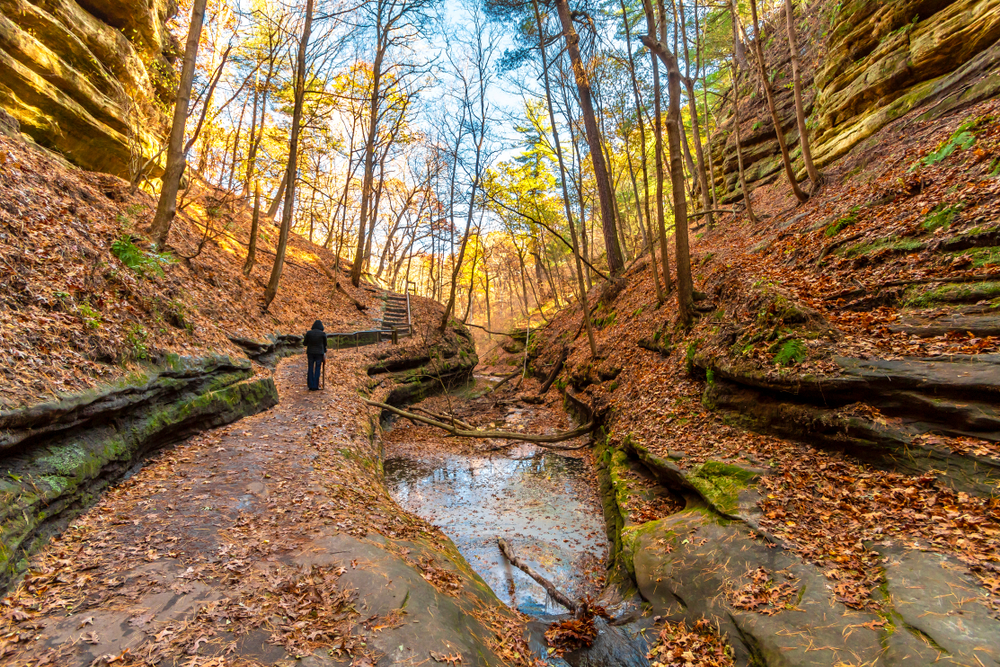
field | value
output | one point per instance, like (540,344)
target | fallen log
(541,440)
(545,583)
(455,421)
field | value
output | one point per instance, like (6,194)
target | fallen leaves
(762,595)
(699,646)
(571,634)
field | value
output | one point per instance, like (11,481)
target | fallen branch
(505,380)
(542,440)
(545,583)
(357,304)
(455,421)
(555,372)
(711,210)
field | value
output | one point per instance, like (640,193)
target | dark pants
(315,368)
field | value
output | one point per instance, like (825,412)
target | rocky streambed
(546,504)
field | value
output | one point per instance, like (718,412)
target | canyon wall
(865,63)
(89,79)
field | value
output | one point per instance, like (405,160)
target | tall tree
(584,306)
(292,168)
(166,208)
(736,116)
(800,110)
(693,110)
(605,193)
(394,22)
(685,285)
(475,84)
(786,159)
(660,296)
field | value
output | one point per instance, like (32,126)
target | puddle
(543,504)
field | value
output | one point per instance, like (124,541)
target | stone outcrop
(60,456)
(873,62)
(89,79)
(953,395)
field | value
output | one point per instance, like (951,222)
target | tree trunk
(782,144)
(366,183)
(640,116)
(584,306)
(800,110)
(695,125)
(604,193)
(736,119)
(252,250)
(708,117)
(279,196)
(166,208)
(658,135)
(685,286)
(293,155)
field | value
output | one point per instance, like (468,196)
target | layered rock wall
(89,79)
(866,63)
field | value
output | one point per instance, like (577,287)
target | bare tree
(166,208)
(475,81)
(605,193)
(584,306)
(736,116)
(292,169)
(394,22)
(786,159)
(685,285)
(800,111)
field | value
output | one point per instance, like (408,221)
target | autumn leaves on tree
(322,116)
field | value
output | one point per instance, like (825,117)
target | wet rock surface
(272,540)
(60,456)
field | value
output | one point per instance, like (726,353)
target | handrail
(378,333)
(409,323)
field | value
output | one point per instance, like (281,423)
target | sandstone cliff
(866,62)
(89,79)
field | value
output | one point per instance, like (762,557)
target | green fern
(792,352)
(140,261)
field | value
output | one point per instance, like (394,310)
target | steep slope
(71,306)
(112,351)
(831,420)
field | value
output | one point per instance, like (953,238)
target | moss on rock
(720,484)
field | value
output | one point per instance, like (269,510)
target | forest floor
(902,238)
(85,300)
(269,541)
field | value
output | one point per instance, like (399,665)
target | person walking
(315,342)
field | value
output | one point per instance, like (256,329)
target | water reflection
(543,505)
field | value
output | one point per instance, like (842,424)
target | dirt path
(260,542)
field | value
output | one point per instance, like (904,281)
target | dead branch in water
(505,380)
(457,430)
(545,583)
(455,421)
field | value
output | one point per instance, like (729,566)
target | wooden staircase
(397,314)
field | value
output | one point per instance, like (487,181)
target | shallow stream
(545,504)
(542,503)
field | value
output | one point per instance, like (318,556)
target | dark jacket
(315,339)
